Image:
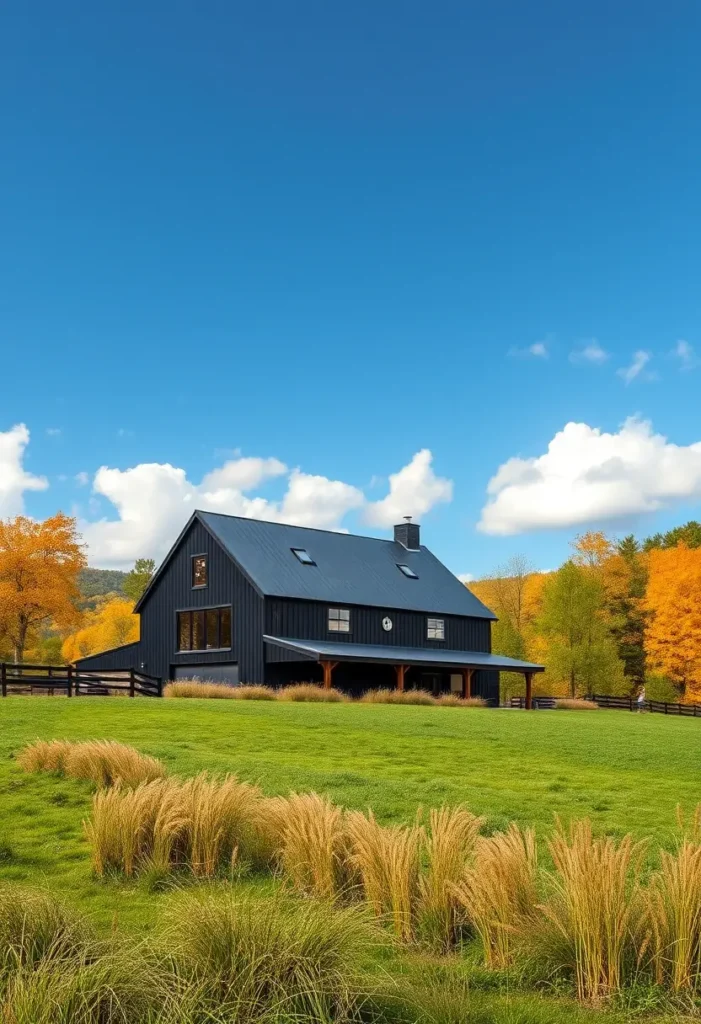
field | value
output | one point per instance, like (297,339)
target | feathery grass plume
(35,925)
(499,891)
(575,704)
(382,696)
(221,815)
(672,917)
(101,761)
(195,689)
(120,830)
(592,907)
(453,700)
(388,861)
(257,953)
(44,756)
(452,833)
(311,843)
(312,693)
(254,691)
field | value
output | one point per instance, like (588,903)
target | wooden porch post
(328,667)
(400,670)
(529,690)
(467,674)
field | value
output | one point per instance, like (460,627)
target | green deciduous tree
(581,648)
(138,578)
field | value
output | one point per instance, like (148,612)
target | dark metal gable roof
(349,569)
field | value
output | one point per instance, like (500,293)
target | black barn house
(244,601)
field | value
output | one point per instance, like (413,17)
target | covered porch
(399,665)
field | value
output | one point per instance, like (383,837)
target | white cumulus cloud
(588,475)
(14,479)
(412,492)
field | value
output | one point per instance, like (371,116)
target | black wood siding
(308,620)
(127,656)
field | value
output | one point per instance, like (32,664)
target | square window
(435,629)
(199,571)
(339,620)
(304,557)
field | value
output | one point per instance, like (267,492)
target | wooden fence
(68,680)
(659,707)
(539,703)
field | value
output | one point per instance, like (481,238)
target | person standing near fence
(641,700)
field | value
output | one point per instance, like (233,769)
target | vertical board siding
(120,657)
(308,620)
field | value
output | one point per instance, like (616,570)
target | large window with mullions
(204,630)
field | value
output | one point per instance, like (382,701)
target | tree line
(618,617)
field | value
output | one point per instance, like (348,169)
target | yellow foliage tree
(673,601)
(39,566)
(111,624)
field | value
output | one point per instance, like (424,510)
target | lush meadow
(626,772)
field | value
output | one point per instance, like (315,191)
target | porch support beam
(467,674)
(400,670)
(529,690)
(327,668)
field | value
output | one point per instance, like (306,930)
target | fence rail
(74,682)
(538,703)
(659,707)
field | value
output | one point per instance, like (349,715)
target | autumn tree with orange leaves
(39,566)
(673,602)
(111,624)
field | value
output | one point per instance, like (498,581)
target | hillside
(96,582)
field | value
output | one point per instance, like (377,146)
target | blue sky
(331,235)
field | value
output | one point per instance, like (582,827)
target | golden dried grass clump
(453,700)
(452,833)
(575,704)
(310,692)
(672,919)
(192,688)
(308,839)
(101,761)
(382,696)
(592,907)
(203,824)
(388,862)
(498,892)
(254,691)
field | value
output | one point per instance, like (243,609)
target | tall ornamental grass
(310,692)
(498,892)
(309,842)
(103,762)
(592,909)
(218,691)
(452,833)
(388,862)
(672,915)
(204,824)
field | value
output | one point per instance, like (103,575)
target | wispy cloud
(81,478)
(686,354)
(636,368)
(538,350)
(592,353)
(53,431)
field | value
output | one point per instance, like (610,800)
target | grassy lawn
(627,771)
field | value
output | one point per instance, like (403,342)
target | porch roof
(322,650)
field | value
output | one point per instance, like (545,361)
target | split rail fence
(659,707)
(71,682)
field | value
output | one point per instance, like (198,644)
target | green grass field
(628,772)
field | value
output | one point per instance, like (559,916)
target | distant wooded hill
(96,582)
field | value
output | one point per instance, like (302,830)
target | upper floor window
(339,620)
(407,571)
(435,629)
(199,571)
(304,557)
(204,630)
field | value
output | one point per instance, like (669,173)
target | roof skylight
(304,557)
(407,571)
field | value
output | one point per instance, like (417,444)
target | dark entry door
(432,681)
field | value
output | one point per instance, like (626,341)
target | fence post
(131,682)
(3,674)
(160,686)
(69,684)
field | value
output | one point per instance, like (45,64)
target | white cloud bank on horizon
(589,476)
(154,500)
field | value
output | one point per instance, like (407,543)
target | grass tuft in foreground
(103,762)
